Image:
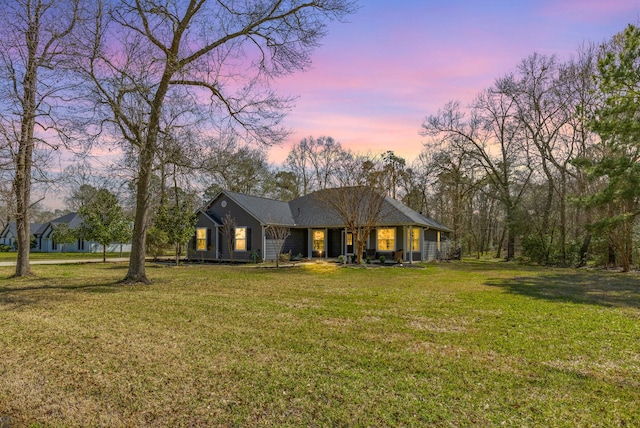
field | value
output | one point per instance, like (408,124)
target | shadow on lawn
(620,290)
(20,296)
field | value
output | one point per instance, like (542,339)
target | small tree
(63,234)
(277,234)
(157,241)
(178,223)
(228,230)
(104,221)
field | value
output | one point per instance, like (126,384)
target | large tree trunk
(22,180)
(137,272)
(22,185)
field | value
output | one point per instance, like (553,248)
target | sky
(377,76)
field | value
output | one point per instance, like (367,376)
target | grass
(459,344)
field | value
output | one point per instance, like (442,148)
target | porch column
(410,244)
(326,242)
(344,252)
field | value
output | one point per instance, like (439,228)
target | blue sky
(376,77)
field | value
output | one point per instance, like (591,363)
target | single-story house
(9,234)
(316,230)
(42,237)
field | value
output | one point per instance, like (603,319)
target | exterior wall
(434,247)
(334,242)
(47,245)
(243,219)
(211,251)
(297,243)
(7,240)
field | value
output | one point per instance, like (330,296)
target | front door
(347,242)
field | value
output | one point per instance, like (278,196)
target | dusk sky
(376,77)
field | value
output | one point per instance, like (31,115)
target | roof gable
(11,229)
(265,210)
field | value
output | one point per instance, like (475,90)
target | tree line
(541,165)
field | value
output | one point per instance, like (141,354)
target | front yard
(452,344)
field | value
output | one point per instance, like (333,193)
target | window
(413,237)
(241,239)
(201,239)
(318,240)
(349,238)
(387,239)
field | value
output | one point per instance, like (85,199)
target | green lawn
(452,344)
(12,255)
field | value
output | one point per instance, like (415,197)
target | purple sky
(376,77)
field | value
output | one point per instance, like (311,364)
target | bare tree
(33,38)
(360,209)
(277,235)
(235,167)
(491,139)
(229,230)
(140,53)
(317,163)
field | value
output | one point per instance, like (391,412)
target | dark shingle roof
(312,211)
(266,211)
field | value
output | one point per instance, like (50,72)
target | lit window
(241,239)
(413,236)
(201,239)
(318,240)
(387,239)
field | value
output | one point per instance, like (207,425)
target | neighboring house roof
(73,219)
(11,229)
(311,211)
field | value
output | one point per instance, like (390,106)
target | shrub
(382,259)
(284,257)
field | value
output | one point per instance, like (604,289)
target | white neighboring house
(45,243)
(9,234)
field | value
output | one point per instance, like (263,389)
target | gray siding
(297,243)
(334,246)
(242,219)
(210,254)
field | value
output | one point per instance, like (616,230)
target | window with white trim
(387,239)
(241,239)
(413,238)
(201,239)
